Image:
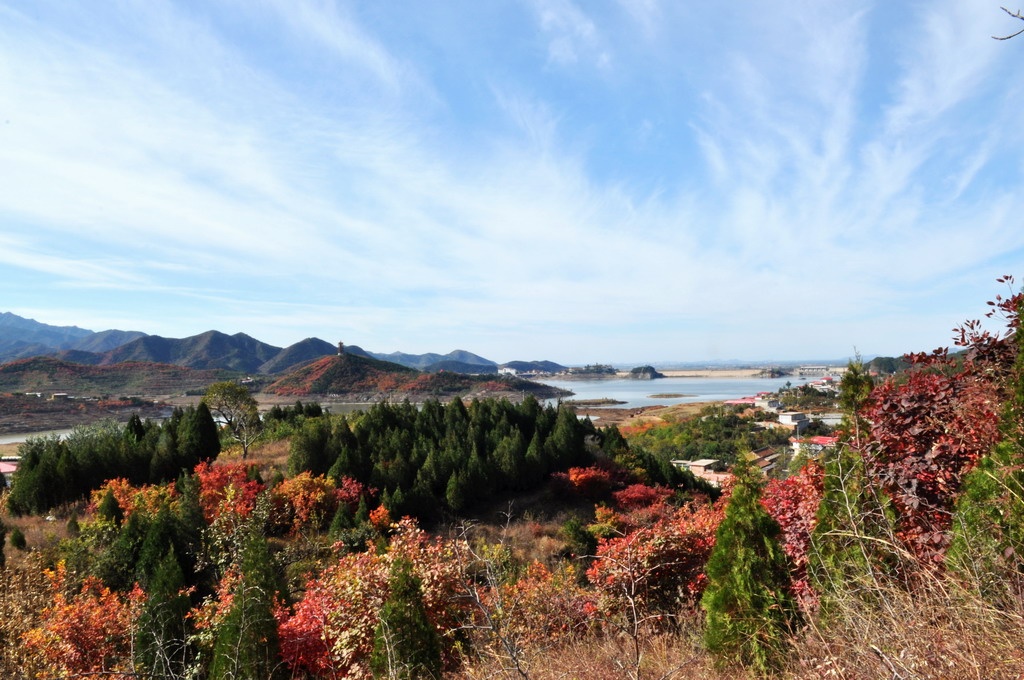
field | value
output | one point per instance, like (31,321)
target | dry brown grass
(24,593)
(939,630)
(270,455)
(676,656)
(42,535)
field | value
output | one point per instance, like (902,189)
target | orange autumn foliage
(87,634)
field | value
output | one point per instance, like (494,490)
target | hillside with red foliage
(365,378)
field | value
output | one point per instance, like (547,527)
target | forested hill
(47,374)
(354,375)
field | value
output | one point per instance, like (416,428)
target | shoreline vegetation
(592,402)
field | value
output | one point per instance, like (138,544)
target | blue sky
(545,179)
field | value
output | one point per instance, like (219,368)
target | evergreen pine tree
(165,463)
(116,565)
(190,535)
(851,540)
(109,508)
(246,645)
(198,439)
(405,645)
(159,538)
(134,430)
(341,522)
(162,634)
(308,450)
(362,512)
(455,493)
(750,609)
(18,541)
(534,466)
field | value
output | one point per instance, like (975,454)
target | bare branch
(1015,15)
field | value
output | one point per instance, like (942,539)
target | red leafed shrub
(636,496)
(380,518)
(590,482)
(329,633)
(654,566)
(226,490)
(306,636)
(350,491)
(929,430)
(87,634)
(926,434)
(793,503)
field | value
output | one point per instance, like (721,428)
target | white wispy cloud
(692,177)
(572,35)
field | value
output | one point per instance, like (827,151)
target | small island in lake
(645,373)
(593,402)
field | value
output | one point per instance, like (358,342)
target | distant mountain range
(22,338)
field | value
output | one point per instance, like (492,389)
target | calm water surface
(18,437)
(636,393)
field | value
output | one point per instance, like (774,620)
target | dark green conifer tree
(751,612)
(116,565)
(455,492)
(110,509)
(27,489)
(72,526)
(134,430)
(406,645)
(165,463)
(17,540)
(308,449)
(246,645)
(160,536)
(510,461)
(535,468)
(362,512)
(852,545)
(198,438)
(341,522)
(162,631)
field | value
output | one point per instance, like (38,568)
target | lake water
(637,393)
(18,437)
